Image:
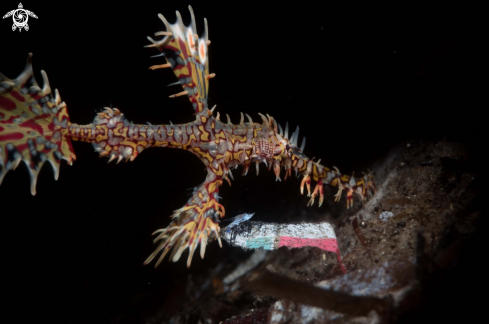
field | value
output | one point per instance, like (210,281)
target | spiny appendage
(294,158)
(192,224)
(33,125)
(364,186)
(186,54)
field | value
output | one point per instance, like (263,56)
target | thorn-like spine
(109,111)
(161,66)
(295,135)
(158,55)
(112,158)
(264,119)
(225,177)
(269,120)
(183,93)
(303,145)
(163,33)
(257,167)
(165,22)
(192,19)
(249,119)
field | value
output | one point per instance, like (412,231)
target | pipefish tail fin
(33,125)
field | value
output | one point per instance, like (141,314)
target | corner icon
(20,17)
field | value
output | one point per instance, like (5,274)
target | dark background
(357,79)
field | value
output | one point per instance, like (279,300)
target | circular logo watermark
(20,17)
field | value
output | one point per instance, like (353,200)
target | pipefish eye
(287,147)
